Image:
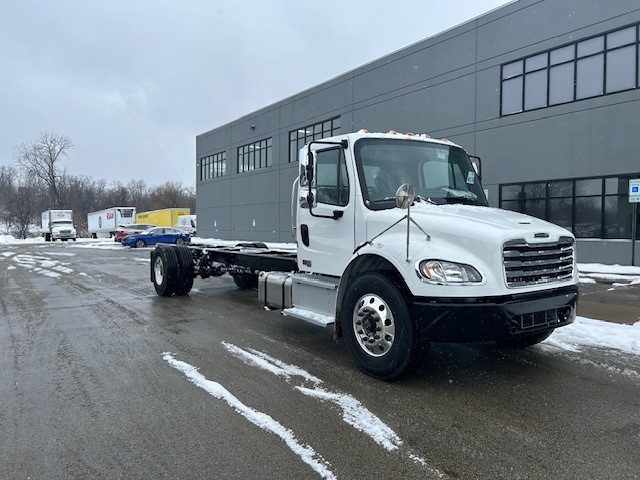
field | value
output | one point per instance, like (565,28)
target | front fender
(367,260)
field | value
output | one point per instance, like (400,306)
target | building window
(255,155)
(213,166)
(588,68)
(589,207)
(298,138)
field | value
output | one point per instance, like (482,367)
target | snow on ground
(616,274)
(586,332)
(260,419)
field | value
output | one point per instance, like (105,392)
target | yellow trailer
(167,217)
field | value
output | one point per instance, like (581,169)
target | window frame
(316,131)
(212,166)
(517,69)
(255,155)
(517,197)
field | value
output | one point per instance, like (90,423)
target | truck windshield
(438,173)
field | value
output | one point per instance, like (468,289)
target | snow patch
(262,420)
(354,413)
(597,333)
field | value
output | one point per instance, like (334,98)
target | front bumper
(494,318)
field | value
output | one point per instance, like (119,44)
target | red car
(130,229)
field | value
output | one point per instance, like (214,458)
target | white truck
(187,224)
(103,223)
(397,248)
(57,225)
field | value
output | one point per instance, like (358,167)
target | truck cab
(455,268)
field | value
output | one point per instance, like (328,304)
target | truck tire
(140,243)
(245,281)
(186,270)
(378,328)
(525,340)
(164,271)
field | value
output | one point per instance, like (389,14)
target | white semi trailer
(103,223)
(397,249)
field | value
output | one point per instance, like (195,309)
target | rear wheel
(525,340)
(378,328)
(186,270)
(164,271)
(245,281)
(141,243)
(179,241)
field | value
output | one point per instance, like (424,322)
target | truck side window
(332,182)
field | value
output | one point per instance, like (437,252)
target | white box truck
(187,224)
(58,225)
(397,248)
(103,223)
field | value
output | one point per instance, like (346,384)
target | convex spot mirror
(405,195)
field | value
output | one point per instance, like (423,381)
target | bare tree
(41,159)
(171,194)
(21,206)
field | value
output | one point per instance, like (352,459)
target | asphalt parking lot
(604,301)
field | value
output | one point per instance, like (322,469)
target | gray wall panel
(402,70)
(436,108)
(580,144)
(316,105)
(260,220)
(258,186)
(214,222)
(214,192)
(542,20)
(266,123)
(212,142)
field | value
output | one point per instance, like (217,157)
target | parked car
(131,229)
(156,235)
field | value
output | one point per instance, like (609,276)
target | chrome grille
(530,264)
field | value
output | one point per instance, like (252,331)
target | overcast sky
(133,82)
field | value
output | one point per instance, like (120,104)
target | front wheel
(378,328)
(141,243)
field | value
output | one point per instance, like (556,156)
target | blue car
(156,235)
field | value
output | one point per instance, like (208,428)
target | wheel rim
(158,270)
(373,325)
(140,243)
(179,241)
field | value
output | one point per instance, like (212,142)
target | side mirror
(310,199)
(310,167)
(405,195)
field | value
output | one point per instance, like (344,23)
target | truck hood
(463,234)
(471,222)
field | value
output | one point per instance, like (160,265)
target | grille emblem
(541,235)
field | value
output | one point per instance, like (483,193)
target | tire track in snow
(260,419)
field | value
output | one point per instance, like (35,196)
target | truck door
(325,230)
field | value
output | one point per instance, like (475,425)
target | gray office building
(545,91)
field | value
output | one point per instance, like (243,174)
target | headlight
(440,271)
